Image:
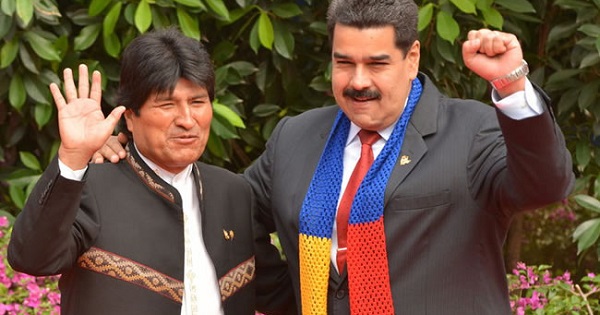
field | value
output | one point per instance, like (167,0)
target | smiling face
(172,130)
(371,77)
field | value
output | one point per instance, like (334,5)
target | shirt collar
(168,177)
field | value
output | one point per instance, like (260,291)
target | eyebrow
(167,97)
(375,58)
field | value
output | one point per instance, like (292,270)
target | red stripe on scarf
(368,273)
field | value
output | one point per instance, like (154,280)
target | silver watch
(513,76)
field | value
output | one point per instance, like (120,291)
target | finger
(84,83)
(59,100)
(96,91)
(111,150)
(70,89)
(122,138)
(470,48)
(97,158)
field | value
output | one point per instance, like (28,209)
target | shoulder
(220,174)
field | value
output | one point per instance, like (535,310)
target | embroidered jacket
(117,238)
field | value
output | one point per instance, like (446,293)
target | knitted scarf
(368,275)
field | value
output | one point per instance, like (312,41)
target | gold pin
(228,234)
(404,160)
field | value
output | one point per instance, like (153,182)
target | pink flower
(3,222)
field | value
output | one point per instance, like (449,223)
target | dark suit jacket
(447,211)
(127,210)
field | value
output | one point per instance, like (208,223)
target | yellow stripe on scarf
(315,257)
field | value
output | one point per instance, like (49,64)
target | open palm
(83,127)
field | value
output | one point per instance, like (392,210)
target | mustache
(362,93)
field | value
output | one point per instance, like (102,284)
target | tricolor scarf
(367,264)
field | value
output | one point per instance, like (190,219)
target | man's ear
(413,57)
(128,119)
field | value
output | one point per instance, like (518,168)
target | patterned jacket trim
(237,278)
(121,268)
(147,178)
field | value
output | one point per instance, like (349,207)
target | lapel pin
(228,234)
(404,160)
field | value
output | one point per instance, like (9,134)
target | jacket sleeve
(525,167)
(274,290)
(53,228)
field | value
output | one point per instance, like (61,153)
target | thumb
(115,116)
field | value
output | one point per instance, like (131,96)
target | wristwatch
(501,82)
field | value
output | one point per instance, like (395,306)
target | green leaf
(16,92)
(6,23)
(445,50)
(27,61)
(35,89)
(493,18)
(284,41)
(42,46)
(190,3)
(265,110)
(143,16)
(42,114)
(425,16)
(588,96)
(189,24)
(218,6)
(588,202)
(215,144)
(562,75)
(519,6)
(97,6)
(244,68)
(9,52)
(465,6)
(583,154)
(30,161)
(17,195)
(561,31)
(223,128)
(591,30)
(254,41)
(87,37)
(265,31)
(112,44)
(286,10)
(24,10)
(111,19)
(319,28)
(229,115)
(586,234)
(8,7)
(447,27)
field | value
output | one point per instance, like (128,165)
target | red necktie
(367,138)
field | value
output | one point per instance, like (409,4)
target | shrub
(21,293)
(534,290)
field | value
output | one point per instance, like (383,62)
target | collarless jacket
(126,210)
(464,170)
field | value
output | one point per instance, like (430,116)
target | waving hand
(83,127)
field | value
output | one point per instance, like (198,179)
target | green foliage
(272,59)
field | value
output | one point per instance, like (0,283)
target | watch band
(513,76)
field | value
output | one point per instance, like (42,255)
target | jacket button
(340,294)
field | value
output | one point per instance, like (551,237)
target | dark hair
(155,61)
(401,14)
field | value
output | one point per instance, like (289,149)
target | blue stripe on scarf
(319,207)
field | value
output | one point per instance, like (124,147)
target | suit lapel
(422,123)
